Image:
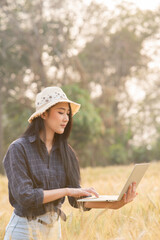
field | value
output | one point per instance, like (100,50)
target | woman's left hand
(127,197)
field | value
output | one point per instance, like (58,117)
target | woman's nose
(66,118)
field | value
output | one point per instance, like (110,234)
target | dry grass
(139,220)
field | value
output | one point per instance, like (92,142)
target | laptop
(135,176)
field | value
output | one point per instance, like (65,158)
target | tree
(39,47)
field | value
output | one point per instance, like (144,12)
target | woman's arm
(54,194)
(127,197)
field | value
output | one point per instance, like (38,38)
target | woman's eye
(63,113)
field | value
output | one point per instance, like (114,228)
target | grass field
(138,220)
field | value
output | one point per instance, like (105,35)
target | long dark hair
(68,154)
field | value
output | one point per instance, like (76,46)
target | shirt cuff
(81,205)
(39,196)
(84,208)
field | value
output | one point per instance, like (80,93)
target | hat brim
(74,107)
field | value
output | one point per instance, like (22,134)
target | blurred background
(104,54)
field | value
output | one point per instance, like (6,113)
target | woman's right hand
(80,192)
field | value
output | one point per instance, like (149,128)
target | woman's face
(57,117)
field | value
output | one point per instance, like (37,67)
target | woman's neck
(49,138)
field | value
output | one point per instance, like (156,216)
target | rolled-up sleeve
(19,181)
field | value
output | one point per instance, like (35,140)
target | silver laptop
(135,176)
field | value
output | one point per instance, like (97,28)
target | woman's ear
(43,115)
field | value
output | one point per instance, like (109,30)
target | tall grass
(138,220)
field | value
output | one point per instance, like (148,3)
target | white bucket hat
(48,97)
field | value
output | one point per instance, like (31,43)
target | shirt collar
(33,138)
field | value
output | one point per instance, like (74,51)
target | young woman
(42,168)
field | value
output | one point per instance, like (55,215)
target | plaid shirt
(28,175)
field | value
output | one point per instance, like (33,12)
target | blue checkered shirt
(28,175)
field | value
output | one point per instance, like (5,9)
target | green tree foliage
(87,124)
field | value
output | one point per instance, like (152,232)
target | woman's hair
(68,155)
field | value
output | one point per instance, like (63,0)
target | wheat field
(138,220)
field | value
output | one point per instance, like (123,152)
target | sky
(142,4)
(146,4)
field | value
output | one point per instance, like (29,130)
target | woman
(42,168)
